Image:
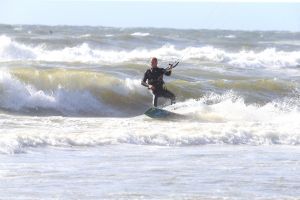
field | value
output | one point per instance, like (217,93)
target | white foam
(10,50)
(140,34)
(231,108)
(230,36)
(215,119)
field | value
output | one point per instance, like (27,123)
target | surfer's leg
(155,97)
(168,94)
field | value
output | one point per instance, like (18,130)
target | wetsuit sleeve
(145,79)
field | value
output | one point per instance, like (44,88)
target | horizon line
(155,27)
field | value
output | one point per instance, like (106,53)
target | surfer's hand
(151,87)
(169,68)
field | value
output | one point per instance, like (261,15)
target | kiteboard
(159,113)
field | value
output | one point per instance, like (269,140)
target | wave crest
(270,57)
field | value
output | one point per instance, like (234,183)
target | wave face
(71,92)
(80,86)
(68,92)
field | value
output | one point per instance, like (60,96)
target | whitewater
(72,123)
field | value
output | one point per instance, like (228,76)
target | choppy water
(75,92)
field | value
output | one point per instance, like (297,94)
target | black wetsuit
(154,76)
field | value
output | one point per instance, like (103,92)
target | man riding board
(153,80)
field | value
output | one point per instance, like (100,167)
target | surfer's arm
(143,82)
(150,87)
(168,71)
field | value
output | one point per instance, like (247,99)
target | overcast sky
(174,14)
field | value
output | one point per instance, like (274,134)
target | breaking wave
(213,119)
(71,92)
(270,57)
(60,92)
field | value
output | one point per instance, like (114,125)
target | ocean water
(72,123)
